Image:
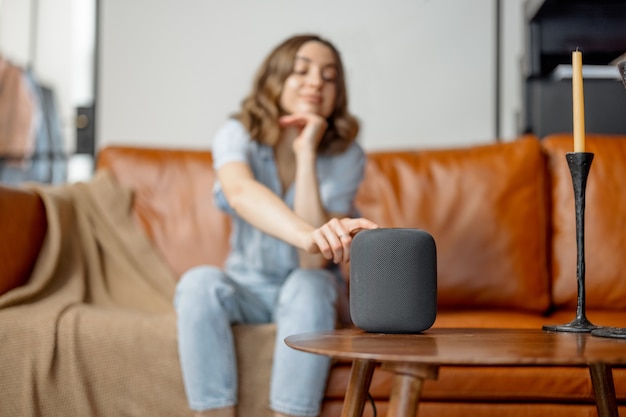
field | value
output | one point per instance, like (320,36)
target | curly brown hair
(260,110)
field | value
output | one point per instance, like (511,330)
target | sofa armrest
(23,227)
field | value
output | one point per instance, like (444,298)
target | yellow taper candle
(579,101)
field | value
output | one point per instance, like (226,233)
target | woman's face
(311,87)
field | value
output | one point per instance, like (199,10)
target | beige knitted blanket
(93,333)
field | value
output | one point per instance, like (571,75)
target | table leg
(358,386)
(407,386)
(603,389)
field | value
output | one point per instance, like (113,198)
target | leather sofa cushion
(605,222)
(486,207)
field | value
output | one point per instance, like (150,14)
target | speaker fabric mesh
(393,280)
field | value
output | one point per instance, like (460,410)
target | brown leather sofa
(502,216)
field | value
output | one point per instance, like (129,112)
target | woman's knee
(309,287)
(200,284)
(307,302)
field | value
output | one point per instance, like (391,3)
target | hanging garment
(31,138)
(17,113)
(49,161)
(19,117)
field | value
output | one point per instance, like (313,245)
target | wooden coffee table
(414,358)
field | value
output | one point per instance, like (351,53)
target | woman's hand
(312,128)
(334,238)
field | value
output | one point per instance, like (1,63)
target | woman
(288,168)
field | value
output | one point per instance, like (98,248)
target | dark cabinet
(555,28)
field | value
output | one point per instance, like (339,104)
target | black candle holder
(579,164)
(614,332)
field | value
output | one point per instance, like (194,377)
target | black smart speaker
(393,280)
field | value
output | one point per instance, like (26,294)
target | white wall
(512,60)
(420,73)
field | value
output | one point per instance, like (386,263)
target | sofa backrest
(486,207)
(605,222)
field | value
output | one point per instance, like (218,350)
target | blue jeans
(208,300)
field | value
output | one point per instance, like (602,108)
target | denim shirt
(252,251)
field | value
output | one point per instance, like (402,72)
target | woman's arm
(307,227)
(307,201)
(259,206)
(265,211)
